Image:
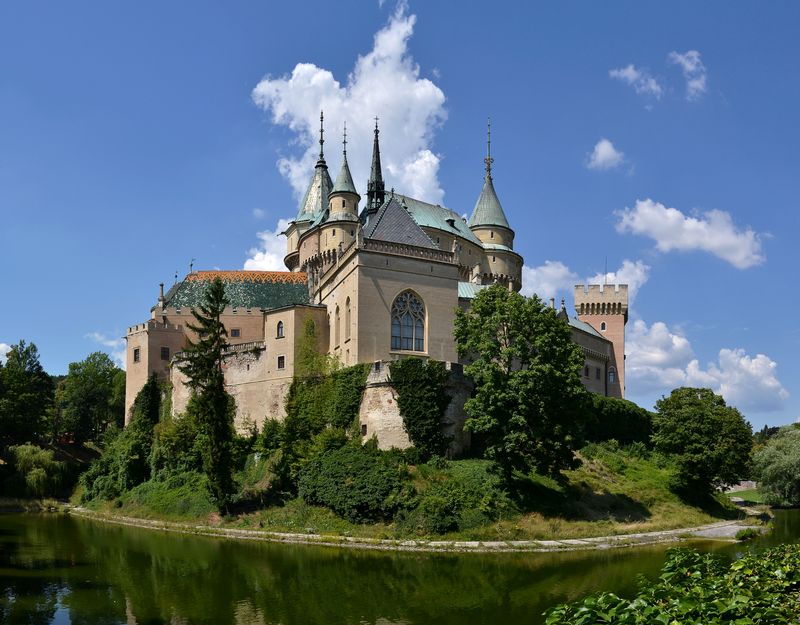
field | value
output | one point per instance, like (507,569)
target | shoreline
(721,531)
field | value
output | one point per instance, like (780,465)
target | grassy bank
(614,492)
(14,504)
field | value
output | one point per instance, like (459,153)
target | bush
(174,495)
(359,483)
(422,400)
(758,589)
(619,419)
(748,533)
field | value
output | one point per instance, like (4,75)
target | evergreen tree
(529,405)
(26,394)
(210,405)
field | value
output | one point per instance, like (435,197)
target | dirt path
(723,530)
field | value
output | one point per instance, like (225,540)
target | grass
(752,495)
(614,492)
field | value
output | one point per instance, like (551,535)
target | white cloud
(604,156)
(548,280)
(4,349)
(693,71)
(268,256)
(632,273)
(660,359)
(259,213)
(385,82)
(640,79)
(116,347)
(714,232)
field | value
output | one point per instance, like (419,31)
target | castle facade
(380,281)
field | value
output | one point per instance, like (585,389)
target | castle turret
(605,308)
(375,188)
(343,199)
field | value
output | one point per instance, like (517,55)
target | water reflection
(58,569)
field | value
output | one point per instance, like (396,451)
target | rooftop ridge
(293,277)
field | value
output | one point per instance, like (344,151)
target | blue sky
(659,141)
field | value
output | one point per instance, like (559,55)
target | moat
(60,569)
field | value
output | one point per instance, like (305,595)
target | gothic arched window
(347,319)
(280,330)
(408,323)
(612,376)
(338,325)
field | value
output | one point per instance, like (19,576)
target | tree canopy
(529,405)
(88,398)
(711,441)
(776,466)
(26,394)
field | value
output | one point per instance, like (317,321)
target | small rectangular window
(363,429)
(586,371)
(235,333)
(597,373)
(137,355)
(165,353)
(281,362)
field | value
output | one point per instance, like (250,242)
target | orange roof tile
(286,277)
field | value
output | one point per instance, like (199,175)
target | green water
(59,569)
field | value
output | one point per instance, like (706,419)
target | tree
(776,466)
(529,404)
(85,397)
(710,441)
(210,405)
(26,393)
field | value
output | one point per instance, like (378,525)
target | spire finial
(488,160)
(376,125)
(321,135)
(344,141)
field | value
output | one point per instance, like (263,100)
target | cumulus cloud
(640,79)
(660,359)
(714,232)
(4,349)
(548,280)
(632,273)
(385,82)
(115,347)
(693,71)
(259,213)
(268,256)
(604,156)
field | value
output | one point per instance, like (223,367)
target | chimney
(161,294)
(553,303)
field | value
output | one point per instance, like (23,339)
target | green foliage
(173,495)
(709,441)
(459,496)
(126,458)
(211,408)
(747,533)
(175,446)
(529,405)
(422,400)
(619,419)
(37,473)
(759,589)
(358,482)
(87,399)
(26,394)
(776,467)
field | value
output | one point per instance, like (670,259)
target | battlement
(597,299)
(154,326)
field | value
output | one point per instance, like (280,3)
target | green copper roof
(488,211)
(344,181)
(315,200)
(582,325)
(470,290)
(243,289)
(434,216)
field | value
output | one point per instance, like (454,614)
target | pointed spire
(344,181)
(488,211)
(315,201)
(321,160)
(375,187)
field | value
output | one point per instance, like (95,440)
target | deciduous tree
(26,393)
(85,397)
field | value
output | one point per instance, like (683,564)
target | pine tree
(210,404)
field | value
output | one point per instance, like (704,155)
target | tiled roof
(435,216)
(243,289)
(344,181)
(488,211)
(315,200)
(394,223)
(582,325)
(470,290)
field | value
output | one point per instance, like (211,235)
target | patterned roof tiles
(243,289)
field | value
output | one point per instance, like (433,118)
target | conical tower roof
(344,181)
(315,201)
(488,211)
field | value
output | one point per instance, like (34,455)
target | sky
(645,143)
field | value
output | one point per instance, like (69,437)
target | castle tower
(375,187)
(489,223)
(314,203)
(605,308)
(343,199)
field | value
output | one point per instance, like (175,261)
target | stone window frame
(137,354)
(279,331)
(407,315)
(281,362)
(236,333)
(612,375)
(347,319)
(164,352)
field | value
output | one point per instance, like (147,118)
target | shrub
(776,466)
(359,483)
(619,419)
(183,494)
(748,533)
(38,473)
(422,400)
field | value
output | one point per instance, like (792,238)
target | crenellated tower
(605,308)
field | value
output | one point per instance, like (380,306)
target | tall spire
(488,211)
(321,139)
(488,160)
(375,186)
(315,200)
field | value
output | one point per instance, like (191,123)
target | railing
(408,250)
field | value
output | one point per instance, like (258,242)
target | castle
(380,283)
